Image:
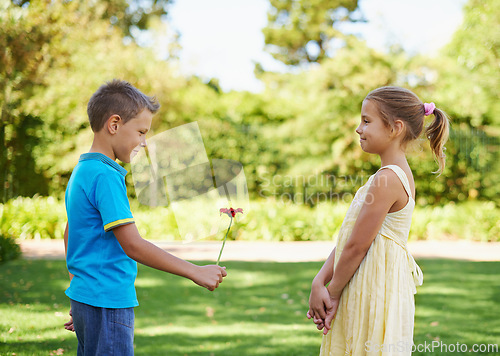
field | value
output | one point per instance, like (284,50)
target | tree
(302,31)
(468,67)
(316,112)
(97,53)
(128,15)
(466,85)
(53,55)
(25,57)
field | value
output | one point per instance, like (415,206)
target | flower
(231,213)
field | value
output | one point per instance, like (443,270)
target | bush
(276,221)
(9,249)
(477,221)
(33,218)
(266,220)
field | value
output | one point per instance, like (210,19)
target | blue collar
(105,159)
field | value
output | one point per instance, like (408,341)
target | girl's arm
(380,198)
(319,299)
(325,274)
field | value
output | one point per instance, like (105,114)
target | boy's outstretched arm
(150,255)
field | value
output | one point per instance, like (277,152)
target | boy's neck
(99,146)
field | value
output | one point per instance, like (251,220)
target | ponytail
(437,133)
(395,103)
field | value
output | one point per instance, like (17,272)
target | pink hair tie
(429,108)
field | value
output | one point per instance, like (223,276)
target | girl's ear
(113,123)
(398,128)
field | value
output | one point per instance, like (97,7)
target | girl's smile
(373,133)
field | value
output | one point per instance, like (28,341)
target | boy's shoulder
(98,178)
(94,163)
(95,170)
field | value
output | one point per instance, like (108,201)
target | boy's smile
(131,135)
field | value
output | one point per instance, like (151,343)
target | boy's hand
(209,276)
(69,325)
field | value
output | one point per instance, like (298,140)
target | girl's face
(375,136)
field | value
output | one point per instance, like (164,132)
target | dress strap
(402,177)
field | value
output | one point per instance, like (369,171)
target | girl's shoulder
(393,177)
(385,178)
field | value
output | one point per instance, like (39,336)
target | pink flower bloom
(231,213)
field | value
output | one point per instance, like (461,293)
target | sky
(223,38)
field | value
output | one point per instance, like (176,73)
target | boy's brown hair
(118,97)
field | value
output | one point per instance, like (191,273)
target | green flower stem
(224,242)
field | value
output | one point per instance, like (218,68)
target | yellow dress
(377,307)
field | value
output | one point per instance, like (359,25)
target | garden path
(282,251)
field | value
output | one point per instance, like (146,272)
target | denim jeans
(103,331)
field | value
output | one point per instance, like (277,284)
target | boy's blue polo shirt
(96,202)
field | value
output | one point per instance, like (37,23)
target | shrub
(266,220)
(33,218)
(9,249)
(477,221)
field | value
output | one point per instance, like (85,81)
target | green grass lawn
(258,310)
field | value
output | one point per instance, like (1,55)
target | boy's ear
(113,123)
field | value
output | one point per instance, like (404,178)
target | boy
(101,240)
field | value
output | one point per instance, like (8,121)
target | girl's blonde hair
(395,103)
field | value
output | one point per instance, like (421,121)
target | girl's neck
(397,158)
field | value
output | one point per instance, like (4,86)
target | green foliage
(134,15)
(25,58)
(273,219)
(130,16)
(37,218)
(99,54)
(468,81)
(322,105)
(302,31)
(321,108)
(47,77)
(301,126)
(470,221)
(9,249)
(463,80)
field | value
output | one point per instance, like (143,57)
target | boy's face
(131,136)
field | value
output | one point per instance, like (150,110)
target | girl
(368,307)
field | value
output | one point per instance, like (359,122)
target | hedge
(266,220)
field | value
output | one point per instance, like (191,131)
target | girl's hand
(331,312)
(320,323)
(319,303)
